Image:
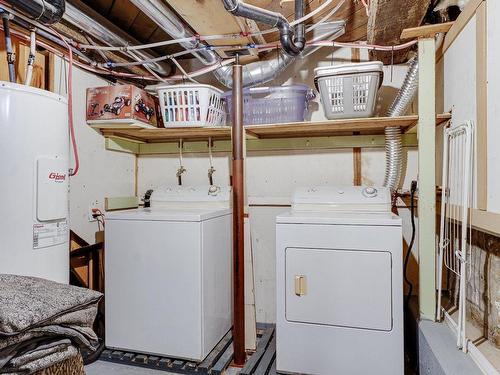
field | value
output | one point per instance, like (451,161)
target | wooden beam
(21,50)
(427,31)
(482,107)
(459,24)
(387,19)
(427,177)
(209,17)
(356,151)
(120,203)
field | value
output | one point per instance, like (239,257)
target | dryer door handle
(300,285)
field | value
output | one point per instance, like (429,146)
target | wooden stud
(136,175)
(386,21)
(482,108)
(120,203)
(459,24)
(427,31)
(356,151)
(427,177)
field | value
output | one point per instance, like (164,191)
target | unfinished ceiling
(208,17)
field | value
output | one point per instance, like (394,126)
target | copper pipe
(238,219)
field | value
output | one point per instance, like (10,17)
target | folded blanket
(43,322)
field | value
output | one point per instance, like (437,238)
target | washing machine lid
(171,215)
(191,197)
(342,199)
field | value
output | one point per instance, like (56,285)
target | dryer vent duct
(254,74)
(393,139)
(46,12)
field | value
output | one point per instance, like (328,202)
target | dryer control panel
(342,198)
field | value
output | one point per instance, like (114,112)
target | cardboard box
(121,106)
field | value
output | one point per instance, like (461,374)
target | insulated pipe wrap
(393,141)
(46,12)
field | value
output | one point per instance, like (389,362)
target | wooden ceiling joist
(387,19)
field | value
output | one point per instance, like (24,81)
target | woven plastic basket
(350,90)
(272,105)
(191,105)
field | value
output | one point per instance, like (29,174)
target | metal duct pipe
(264,71)
(172,25)
(393,141)
(46,12)
(292,45)
(99,28)
(255,73)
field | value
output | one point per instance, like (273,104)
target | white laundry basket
(191,105)
(349,90)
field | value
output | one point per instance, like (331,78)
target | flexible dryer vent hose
(393,140)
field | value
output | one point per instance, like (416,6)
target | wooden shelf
(361,126)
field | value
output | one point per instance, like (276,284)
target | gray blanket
(43,322)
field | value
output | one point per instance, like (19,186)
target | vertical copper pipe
(238,219)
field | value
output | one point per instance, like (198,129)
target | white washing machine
(339,283)
(168,273)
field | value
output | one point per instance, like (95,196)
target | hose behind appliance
(393,141)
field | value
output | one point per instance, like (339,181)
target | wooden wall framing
(41,72)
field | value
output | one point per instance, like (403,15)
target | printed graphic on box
(120,102)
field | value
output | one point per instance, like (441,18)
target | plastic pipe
(11,56)
(31,58)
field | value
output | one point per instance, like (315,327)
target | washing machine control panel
(196,196)
(342,198)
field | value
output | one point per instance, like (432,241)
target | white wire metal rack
(456,201)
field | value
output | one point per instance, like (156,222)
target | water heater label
(49,234)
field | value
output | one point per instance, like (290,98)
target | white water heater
(34,162)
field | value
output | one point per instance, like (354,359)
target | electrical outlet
(92,205)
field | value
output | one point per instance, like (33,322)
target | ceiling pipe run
(255,73)
(46,12)
(172,25)
(99,28)
(292,42)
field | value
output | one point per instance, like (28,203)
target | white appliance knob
(370,192)
(213,190)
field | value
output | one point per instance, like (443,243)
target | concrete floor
(108,368)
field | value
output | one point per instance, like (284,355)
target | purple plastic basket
(273,105)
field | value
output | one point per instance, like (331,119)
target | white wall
(102,173)
(272,176)
(459,86)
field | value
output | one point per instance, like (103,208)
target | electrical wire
(183,71)
(208,37)
(366,4)
(311,14)
(107,68)
(74,171)
(410,246)
(325,18)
